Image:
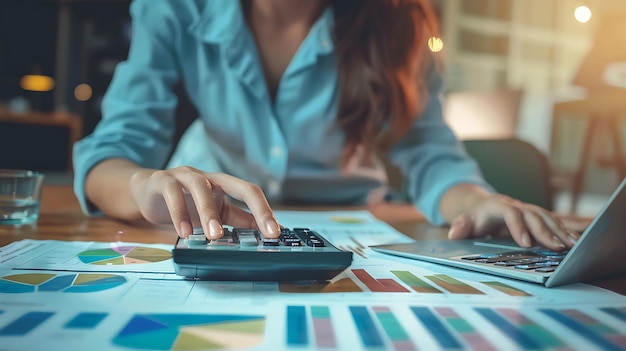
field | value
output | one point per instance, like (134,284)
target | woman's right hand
(188,197)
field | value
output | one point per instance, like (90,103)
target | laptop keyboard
(538,260)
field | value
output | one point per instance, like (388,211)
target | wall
(535,45)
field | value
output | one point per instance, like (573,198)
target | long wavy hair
(381,48)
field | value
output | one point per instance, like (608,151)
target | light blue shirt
(290,147)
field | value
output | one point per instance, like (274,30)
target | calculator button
(224,239)
(269,241)
(546,269)
(314,241)
(196,240)
(247,240)
(292,242)
(504,258)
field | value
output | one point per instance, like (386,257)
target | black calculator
(245,254)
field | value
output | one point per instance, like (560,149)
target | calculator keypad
(252,238)
(539,260)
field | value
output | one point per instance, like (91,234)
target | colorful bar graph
(323,327)
(452,285)
(439,331)
(415,283)
(525,332)
(378,285)
(619,313)
(85,320)
(590,328)
(396,333)
(507,289)
(466,330)
(297,333)
(370,337)
(25,324)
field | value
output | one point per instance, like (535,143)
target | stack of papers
(124,296)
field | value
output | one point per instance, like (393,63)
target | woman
(296,100)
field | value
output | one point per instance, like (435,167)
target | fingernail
(215,228)
(573,238)
(272,227)
(184,229)
(525,239)
(450,233)
(557,242)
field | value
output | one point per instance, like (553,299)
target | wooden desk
(61,219)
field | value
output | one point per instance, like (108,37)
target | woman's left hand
(493,212)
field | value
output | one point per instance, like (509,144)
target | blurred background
(551,73)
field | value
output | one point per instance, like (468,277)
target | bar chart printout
(523,331)
(590,328)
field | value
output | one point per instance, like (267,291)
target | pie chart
(191,332)
(124,255)
(347,220)
(67,283)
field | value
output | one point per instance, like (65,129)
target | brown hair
(381,52)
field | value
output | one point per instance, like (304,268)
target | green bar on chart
(399,337)
(452,285)
(415,283)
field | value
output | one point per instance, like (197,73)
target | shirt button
(273,188)
(276,151)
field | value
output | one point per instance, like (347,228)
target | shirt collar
(221,20)
(322,30)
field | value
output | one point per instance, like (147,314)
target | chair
(514,168)
(489,114)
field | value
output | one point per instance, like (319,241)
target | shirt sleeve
(432,159)
(138,108)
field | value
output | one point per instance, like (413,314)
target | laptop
(600,252)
